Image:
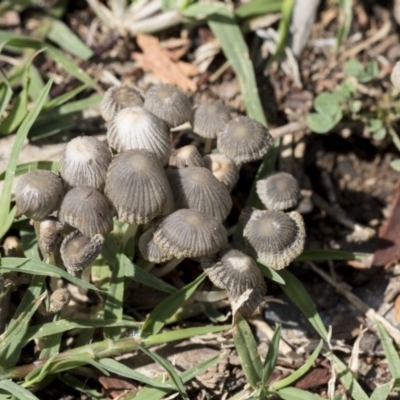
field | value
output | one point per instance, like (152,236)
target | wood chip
(158,61)
(317,377)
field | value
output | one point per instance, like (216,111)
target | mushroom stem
(208,146)
(210,296)
(168,267)
(130,233)
(36,227)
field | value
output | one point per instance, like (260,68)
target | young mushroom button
(87,210)
(223,168)
(150,250)
(38,194)
(168,103)
(186,156)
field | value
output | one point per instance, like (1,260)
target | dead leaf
(157,60)
(317,377)
(116,387)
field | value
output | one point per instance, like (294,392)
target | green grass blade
(270,273)
(295,290)
(5,94)
(297,394)
(22,169)
(60,34)
(77,384)
(16,390)
(13,162)
(382,392)
(36,267)
(258,7)
(62,99)
(294,376)
(156,320)
(175,378)
(246,348)
(345,23)
(271,357)
(391,353)
(52,342)
(118,368)
(331,255)
(36,85)
(284,26)
(228,33)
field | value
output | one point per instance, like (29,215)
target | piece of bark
(117,387)
(317,377)
(157,60)
(388,248)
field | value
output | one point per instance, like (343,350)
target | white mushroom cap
(186,156)
(38,194)
(137,187)
(277,238)
(84,162)
(198,189)
(137,128)
(118,97)
(169,103)
(223,168)
(190,233)
(244,140)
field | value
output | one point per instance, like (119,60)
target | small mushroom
(236,272)
(38,194)
(50,230)
(276,237)
(87,210)
(118,97)
(279,191)
(137,128)
(198,189)
(59,299)
(186,156)
(137,187)
(190,233)
(169,103)
(150,250)
(209,119)
(223,168)
(84,162)
(244,140)
(79,251)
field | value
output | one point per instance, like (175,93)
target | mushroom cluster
(180,197)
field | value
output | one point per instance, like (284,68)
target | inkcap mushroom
(186,156)
(150,250)
(223,168)
(59,299)
(50,233)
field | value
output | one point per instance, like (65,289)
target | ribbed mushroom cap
(59,299)
(190,233)
(87,210)
(137,187)
(246,214)
(186,156)
(223,168)
(137,128)
(38,194)
(118,97)
(210,118)
(168,103)
(277,238)
(150,250)
(49,233)
(84,162)
(279,191)
(244,140)
(79,251)
(198,189)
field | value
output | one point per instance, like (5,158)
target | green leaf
(395,164)
(326,104)
(295,290)
(354,68)
(322,123)
(246,348)
(355,106)
(228,33)
(345,22)
(270,273)
(271,357)
(18,391)
(294,376)
(284,26)
(22,133)
(331,255)
(382,392)
(62,99)
(82,386)
(22,169)
(156,320)
(258,7)
(380,134)
(5,94)
(391,353)
(202,10)
(297,394)
(175,378)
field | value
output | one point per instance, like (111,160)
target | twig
(287,129)
(369,312)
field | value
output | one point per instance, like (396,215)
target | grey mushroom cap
(278,191)
(50,233)
(137,187)
(244,140)
(84,162)
(118,97)
(38,194)
(190,233)
(87,210)
(169,103)
(186,156)
(150,250)
(59,299)
(79,251)
(223,168)
(198,189)
(276,237)
(137,128)
(209,119)
(246,214)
